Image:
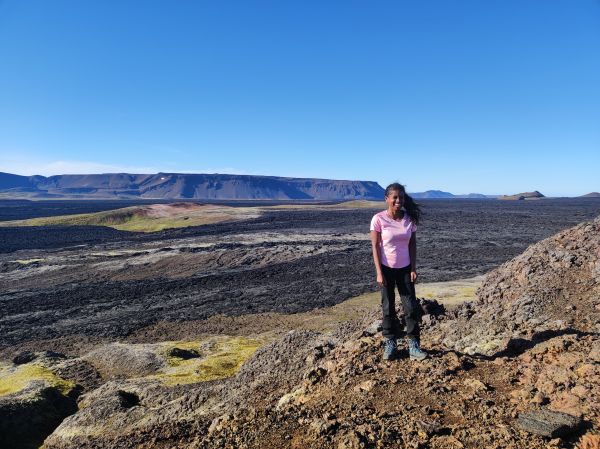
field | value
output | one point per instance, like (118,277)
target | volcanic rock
(120,360)
(525,299)
(548,423)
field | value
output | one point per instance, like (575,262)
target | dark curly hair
(412,209)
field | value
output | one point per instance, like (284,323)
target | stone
(298,396)
(365,386)
(476,385)
(586,370)
(580,391)
(373,329)
(315,375)
(24,357)
(539,398)
(323,426)
(567,403)
(185,354)
(548,423)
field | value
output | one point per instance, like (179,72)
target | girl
(394,244)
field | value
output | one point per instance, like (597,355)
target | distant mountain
(475,195)
(591,195)
(432,194)
(440,194)
(522,196)
(184,186)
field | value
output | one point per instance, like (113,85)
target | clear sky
(494,96)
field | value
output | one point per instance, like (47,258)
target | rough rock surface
(552,288)
(120,360)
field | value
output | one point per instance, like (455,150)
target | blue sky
(494,96)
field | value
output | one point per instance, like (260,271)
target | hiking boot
(414,350)
(389,349)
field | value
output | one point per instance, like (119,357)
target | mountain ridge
(185,186)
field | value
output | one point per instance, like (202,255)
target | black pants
(399,277)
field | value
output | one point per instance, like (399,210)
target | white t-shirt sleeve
(375,224)
(413,227)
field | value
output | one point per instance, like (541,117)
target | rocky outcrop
(119,360)
(34,399)
(129,413)
(552,288)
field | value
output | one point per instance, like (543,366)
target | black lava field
(97,282)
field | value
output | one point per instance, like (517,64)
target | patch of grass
(16,378)
(105,218)
(360,204)
(452,292)
(353,204)
(152,224)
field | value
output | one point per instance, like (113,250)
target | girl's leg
(391,325)
(412,308)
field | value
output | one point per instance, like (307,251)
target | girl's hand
(380,280)
(413,277)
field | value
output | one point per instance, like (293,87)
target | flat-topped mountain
(181,186)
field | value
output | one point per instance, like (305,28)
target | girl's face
(395,199)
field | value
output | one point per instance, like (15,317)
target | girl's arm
(412,251)
(376,249)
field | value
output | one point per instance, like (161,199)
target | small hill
(148,218)
(522,196)
(591,195)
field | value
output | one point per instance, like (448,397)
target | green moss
(222,358)
(146,224)
(131,219)
(359,204)
(452,292)
(15,379)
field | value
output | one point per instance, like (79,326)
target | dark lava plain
(23,209)
(101,283)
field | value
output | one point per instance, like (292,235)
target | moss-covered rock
(33,402)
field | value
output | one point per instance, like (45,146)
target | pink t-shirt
(395,236)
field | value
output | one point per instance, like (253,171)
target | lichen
(16,378)
(221,357)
